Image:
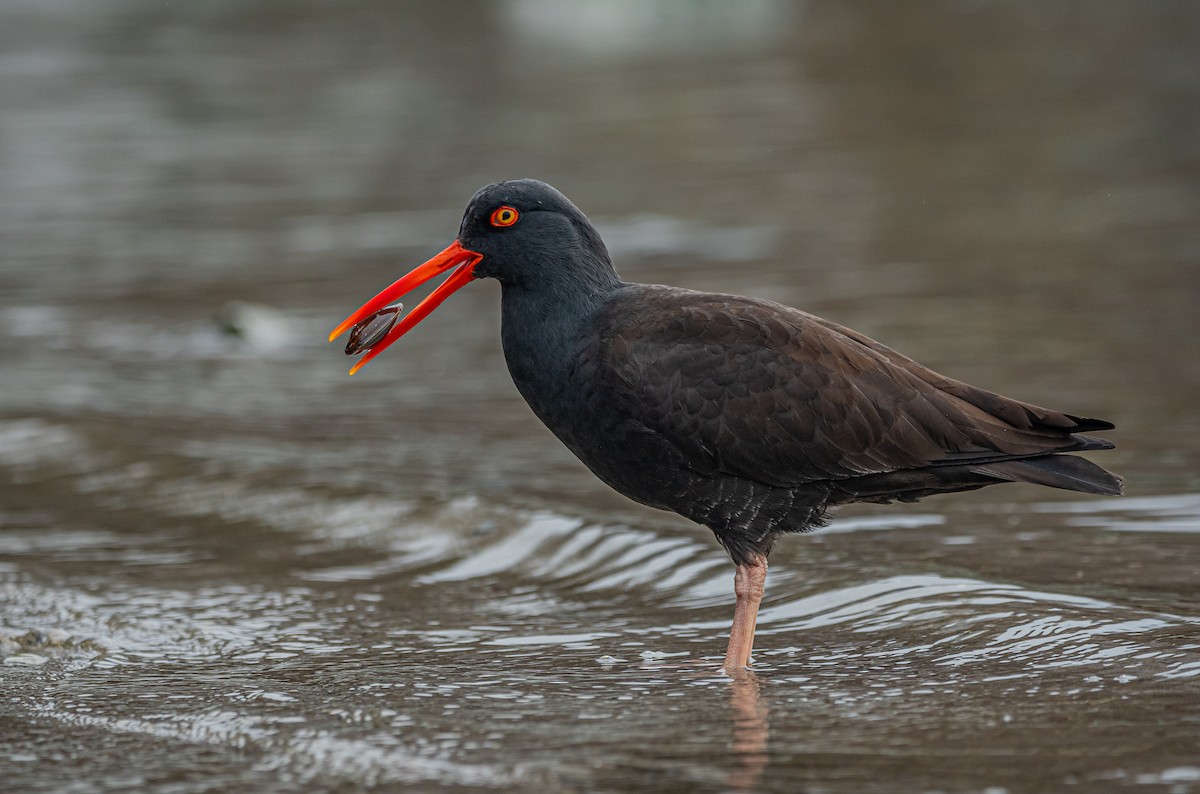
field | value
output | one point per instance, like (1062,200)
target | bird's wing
(762,391)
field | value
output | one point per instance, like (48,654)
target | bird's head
(523,233)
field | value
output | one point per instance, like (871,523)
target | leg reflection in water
(751,732)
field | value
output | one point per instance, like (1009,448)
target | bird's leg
(748,584)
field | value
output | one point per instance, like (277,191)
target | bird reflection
(751,732)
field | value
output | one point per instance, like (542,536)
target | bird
(746,416)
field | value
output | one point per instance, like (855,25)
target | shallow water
(226,565)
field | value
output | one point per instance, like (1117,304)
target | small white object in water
(259,326)
(277,697)
(57,636)
(608,661)
(26,660)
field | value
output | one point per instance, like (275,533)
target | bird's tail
(1056,471)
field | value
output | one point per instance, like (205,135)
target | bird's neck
(543,331)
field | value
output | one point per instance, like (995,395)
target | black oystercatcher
(746,416)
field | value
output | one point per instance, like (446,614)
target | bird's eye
(504,216)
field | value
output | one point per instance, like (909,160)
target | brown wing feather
(766,392)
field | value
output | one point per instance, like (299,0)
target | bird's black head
(523,233)
(530,235)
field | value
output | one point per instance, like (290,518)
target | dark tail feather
(1088,443)
(1084,424)
(1057,471)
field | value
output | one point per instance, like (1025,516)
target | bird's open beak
(461,260)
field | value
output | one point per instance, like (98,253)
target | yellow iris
(504,216)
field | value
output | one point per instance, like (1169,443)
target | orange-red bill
(455,257)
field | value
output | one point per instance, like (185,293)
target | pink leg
(748,584)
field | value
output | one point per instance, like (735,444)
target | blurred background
(225,563)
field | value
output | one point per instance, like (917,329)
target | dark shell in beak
(368,333)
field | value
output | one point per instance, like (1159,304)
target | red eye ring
(504,216)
